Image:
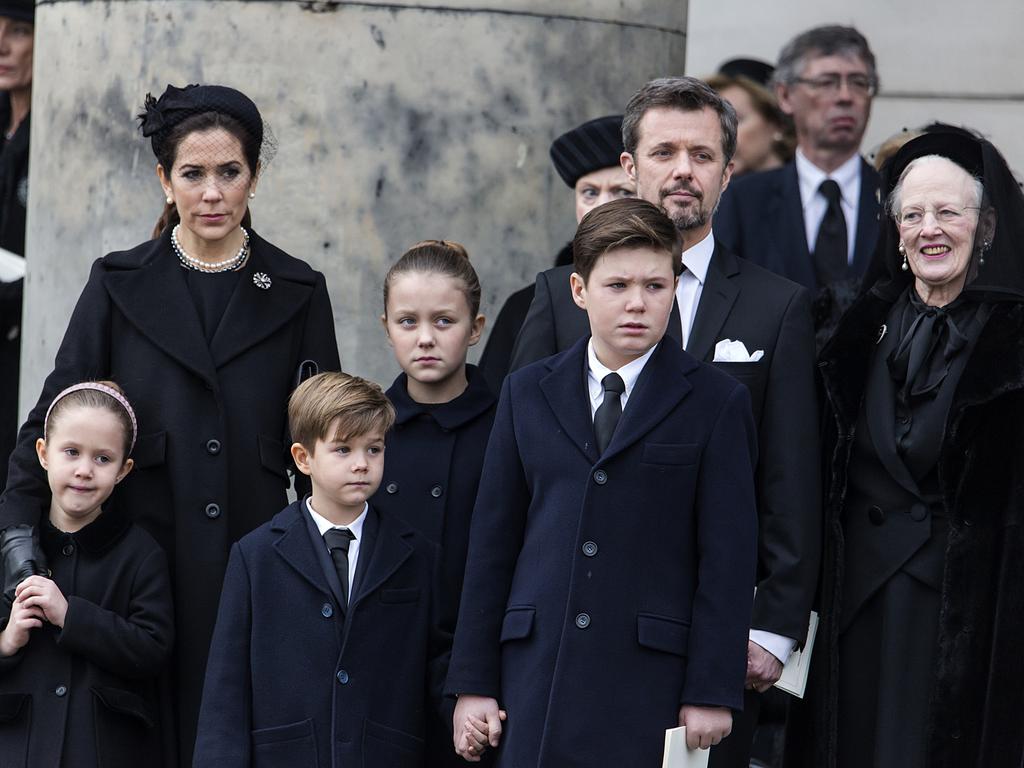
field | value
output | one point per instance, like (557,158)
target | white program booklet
(794,674)
(12,266)
(678,756)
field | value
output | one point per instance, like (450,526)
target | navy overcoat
(604,592)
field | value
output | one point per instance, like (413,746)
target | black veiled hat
(592,146)
(996,271)
(178,104)
(22,11)
(752,69)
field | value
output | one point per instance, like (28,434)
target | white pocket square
(729,351)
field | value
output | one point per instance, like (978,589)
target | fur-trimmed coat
(977,695)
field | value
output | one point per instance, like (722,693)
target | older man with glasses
(815,220)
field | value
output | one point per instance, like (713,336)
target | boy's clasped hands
(37,599)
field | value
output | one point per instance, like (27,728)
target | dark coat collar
(147,285)
(662,384)
(475,400)
(95,538)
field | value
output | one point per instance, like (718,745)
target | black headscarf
(1001,276)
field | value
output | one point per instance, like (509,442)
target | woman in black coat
(207,328)
(917,661)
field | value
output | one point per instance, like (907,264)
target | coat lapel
(565,389)
(791,231)
(662,384)
(295,546)
(385,551)
(868,211)
(255,312)
(716,301)
(154,298)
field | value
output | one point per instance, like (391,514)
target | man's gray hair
(830,40)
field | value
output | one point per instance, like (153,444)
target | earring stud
(170,200)
(252,195)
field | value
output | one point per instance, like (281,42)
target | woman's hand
(22,621)
(42,593)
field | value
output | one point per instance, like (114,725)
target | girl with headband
(208,327)
(81,648)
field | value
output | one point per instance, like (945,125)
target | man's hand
(43,593)
(763,669)
(476,725)
(22,621)
(705,726)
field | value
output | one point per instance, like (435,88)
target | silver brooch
(261,280)
(881,333)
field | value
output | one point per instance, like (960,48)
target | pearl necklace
(190,262)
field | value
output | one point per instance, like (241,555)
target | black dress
(896,529)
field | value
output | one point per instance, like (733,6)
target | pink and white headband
(96,387)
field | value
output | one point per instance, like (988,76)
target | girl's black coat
(210,462)
(977,693)
(86,694)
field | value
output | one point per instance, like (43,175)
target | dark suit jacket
(295,678)
(593,576)
(744,302)
(210,458)
(761,219)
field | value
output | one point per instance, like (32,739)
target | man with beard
(679,138)
(814,220)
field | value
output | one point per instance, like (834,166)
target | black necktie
(338,540)
(830,249)
(607,416)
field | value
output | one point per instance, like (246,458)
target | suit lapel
(662,384)
(322,554)
(868,211)
(716,301)
(565,389)
(295,546)
(791,231)
(255,312)
(154,298)
(385,551)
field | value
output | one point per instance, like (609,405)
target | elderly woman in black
(207,328)
(918,657)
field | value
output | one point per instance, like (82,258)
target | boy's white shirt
(596,371)
(356,526)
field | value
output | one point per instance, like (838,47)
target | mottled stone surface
(395,123)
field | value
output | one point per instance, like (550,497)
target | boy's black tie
(607,416)
(830,248)
(338,540)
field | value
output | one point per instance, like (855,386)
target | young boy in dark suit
(611,564)
(326,650)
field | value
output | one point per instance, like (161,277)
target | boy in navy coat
(327,649)
(610,575)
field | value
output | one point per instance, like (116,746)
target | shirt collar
(323,524)
(698,258)
(847,176)
(630,372)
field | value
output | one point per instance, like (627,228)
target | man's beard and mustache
(689,218)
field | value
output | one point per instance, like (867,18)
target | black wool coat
(977,692)
(86,694)
(210,461)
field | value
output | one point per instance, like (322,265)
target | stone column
(395,121)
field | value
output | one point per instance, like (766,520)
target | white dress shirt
(596,371)
(691,283)
(356,526)
(847,176)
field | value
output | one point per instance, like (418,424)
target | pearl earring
(903,252)
(170,200)
(252,195)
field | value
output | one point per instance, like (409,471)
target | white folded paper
(729,351)
(12,266)
(794,673)
(678,756)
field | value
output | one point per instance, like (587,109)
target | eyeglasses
(861,85)
(914,217)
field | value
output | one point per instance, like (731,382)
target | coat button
(342,677)
(436,491)
(213,447)
(583,620)
(391,488)
(918,512)
(600,477)
(213,511)
(326,611)
(876,514)
(61,690)
(68,549)
(589,548)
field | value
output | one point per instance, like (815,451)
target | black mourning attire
(917,659)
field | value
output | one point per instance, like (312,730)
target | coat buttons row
(437,491)
(213,511)
(583,620)
(589,548)
(213,447)
(342,677)
(600,477)
(918,513)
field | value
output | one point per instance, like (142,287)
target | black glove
(21,556)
